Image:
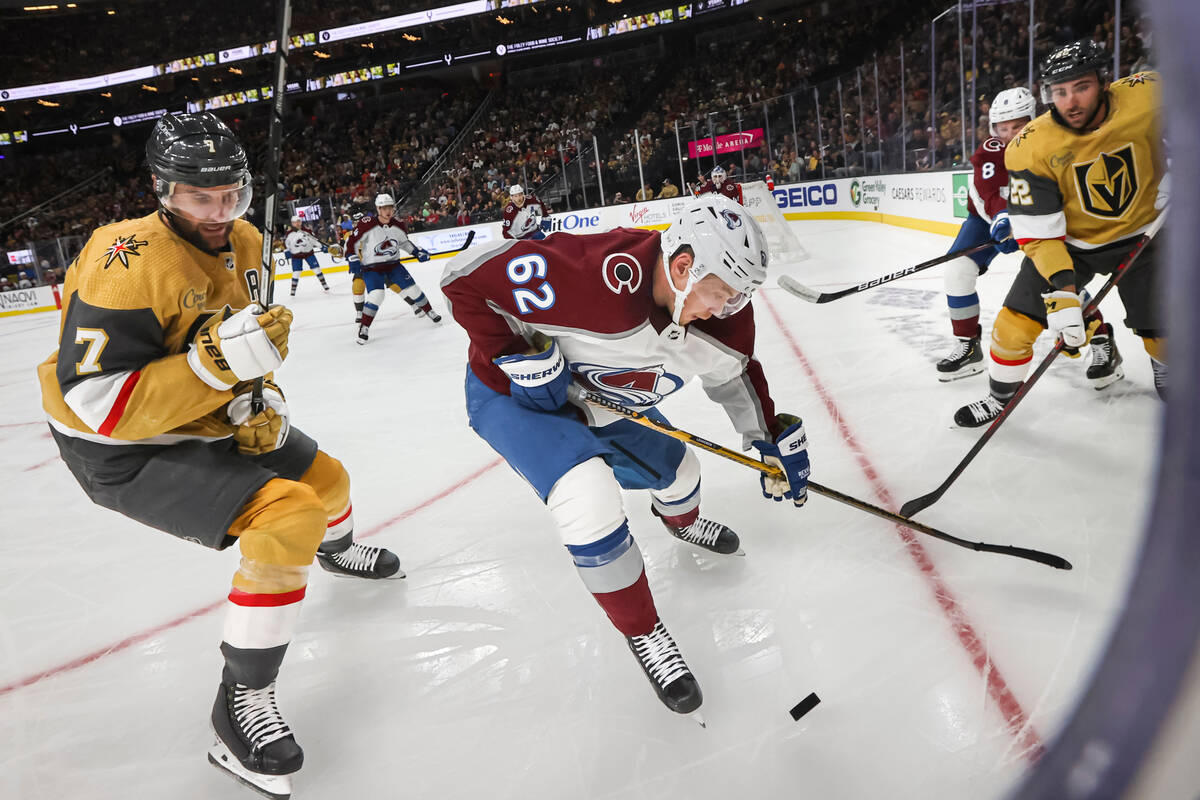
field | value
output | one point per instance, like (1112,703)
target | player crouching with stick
(633,315)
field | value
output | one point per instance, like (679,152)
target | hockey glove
(264,432)
(239,347)
(546,225)
(789,452)
(1002,234)
(421,255)
(1064,316)
(539,380)
(354,265)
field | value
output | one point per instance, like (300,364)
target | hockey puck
(804,706)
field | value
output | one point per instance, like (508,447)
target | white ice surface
(491,672)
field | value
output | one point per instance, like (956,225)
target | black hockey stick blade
(1049,559)
(466,243)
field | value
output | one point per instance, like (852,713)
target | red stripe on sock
(240,598)
(1006,363)
(118,408)
(342,518)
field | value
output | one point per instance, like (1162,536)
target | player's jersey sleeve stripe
(1027,228)
(977,200)
(118,407)
(96,399)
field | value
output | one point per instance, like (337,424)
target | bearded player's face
(1077,101)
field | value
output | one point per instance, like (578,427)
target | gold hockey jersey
(1087,189)
(132,302)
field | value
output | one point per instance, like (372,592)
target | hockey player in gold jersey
(148,397)
(1086,180)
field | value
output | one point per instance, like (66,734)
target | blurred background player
(719,183)
(634,315)
(987,220)
(373,250)
(1079,217)
(149,404)
(525,217)
(299,246)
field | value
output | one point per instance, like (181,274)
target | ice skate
(666,670)
(965,360)
(1105,368)
(358,560)
(979,413)
(712,536)
(362,334)
(254,743)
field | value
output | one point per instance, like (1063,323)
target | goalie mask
(726,241)
(199,168)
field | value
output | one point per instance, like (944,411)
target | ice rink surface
(490,671)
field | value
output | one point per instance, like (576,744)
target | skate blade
(1102,383)
(277,787)
(698,718)
(946,377)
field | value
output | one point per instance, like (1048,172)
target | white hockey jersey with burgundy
(593,295)
(301,243)
(517,223)
(377,244)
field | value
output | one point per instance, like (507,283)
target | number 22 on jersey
(521,271)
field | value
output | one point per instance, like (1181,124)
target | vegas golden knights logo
(1107,184)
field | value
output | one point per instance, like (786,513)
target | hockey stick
(579,393)
(466,243)
(266,270)
(790,284)
(919,504)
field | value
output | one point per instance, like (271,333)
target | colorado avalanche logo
(733,220)
(388,247)
(622,273)
(639,386)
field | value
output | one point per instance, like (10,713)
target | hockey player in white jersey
(633,315)
(374,251)
(300,248)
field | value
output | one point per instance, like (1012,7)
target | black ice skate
(666,670)
(712,536)
(979,413)
(965,360)
(1105,368)
(362,334)
(358,560)
(254,744)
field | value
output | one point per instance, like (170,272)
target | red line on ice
(138,638)
(1017,720)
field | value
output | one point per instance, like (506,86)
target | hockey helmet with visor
(726,242)
(199,168)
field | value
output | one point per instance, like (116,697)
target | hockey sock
(320,276)
(295,282)
(613,571)
(678,503)
(959,277)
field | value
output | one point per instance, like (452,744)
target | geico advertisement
(934,196)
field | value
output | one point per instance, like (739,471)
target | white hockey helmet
(384,199)
(1011,104)
(297,218)
(726,241)
(516,188)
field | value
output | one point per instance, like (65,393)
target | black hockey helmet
(1072,61)
(198,150)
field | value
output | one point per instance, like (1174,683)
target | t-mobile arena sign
(727,143)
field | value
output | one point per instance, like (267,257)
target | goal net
(785,246)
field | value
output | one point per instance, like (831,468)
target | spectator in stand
(618,199)
(644,194)
(463,217)
(668,190)
(5,284)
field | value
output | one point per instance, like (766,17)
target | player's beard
(208,237)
